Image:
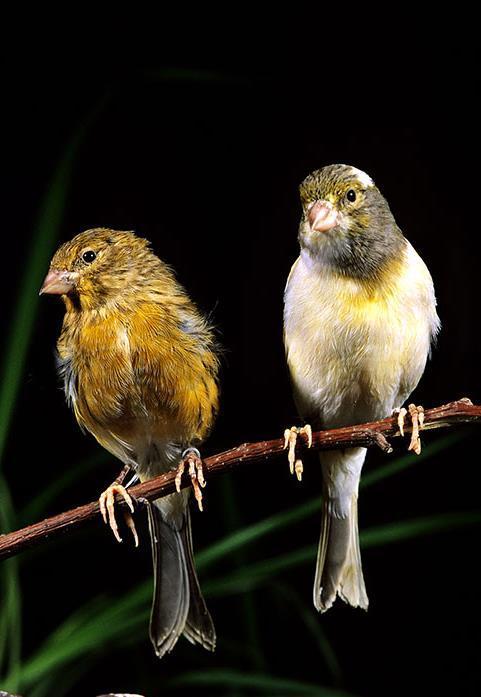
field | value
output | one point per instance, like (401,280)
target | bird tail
(339,567)
(178,606)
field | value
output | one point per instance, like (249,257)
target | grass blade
(291,599)
(399,464)
(130,613)
(10,618)
(36,508)
(278,521)
(42,244)
(98,623)
(251,533)
(261,682)
(256,574)
(408,529)
(232,518)
(14,357)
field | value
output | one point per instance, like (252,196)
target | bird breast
(138,386)
(355,351)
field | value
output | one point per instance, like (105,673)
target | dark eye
(88,256)
(351,195)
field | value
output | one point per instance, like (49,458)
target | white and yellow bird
(359,319)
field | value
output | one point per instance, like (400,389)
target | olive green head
(346,222)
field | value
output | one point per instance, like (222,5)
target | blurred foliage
(107,622)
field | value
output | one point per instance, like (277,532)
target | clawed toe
(417,418)
(290,441)
(107,509)
(191,458)
(129,521)
(400,420)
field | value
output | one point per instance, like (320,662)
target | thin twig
(373,434)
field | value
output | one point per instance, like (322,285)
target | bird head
(346,222)
(97,266)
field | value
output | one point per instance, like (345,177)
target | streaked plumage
(140,371)
(359,318)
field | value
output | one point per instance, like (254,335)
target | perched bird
(140,370)
(359,319)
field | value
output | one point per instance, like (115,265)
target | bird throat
(360,256)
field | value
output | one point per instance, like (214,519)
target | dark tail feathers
(178,606)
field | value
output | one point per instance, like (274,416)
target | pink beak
(56,283)
(322,216)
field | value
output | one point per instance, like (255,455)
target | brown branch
(366,435)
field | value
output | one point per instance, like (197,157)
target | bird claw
(129,521)
(290,441)
(401,413)
(191,458)
(417,418)
(107,509)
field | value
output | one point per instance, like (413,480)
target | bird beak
(322,216)
(56,283)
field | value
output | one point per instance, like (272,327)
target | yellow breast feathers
(341,332)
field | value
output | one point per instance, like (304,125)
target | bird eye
(351,195)
(89,256)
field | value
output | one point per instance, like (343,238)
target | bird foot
(107,509)
(192,460)
(290,441)
(417,419)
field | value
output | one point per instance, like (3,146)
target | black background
(206,165)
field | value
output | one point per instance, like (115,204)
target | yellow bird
(359,319)
(140,370)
